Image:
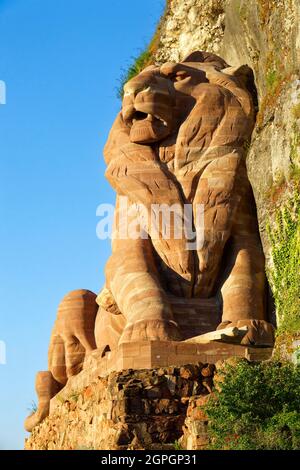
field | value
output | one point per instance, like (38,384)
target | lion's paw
(151,330)
(260,332)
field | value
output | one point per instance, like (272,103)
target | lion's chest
(166,155)
(184,179)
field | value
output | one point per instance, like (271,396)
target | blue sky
(61,61)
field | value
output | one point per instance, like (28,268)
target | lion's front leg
(243,291)
(132,279)
(46,387)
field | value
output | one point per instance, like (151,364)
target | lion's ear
(180,71)
(242,72)
(245,76)
(196,56)
(205,57)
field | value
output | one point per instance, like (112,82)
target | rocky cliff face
(265,34)
(190,25)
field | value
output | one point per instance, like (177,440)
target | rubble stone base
(147,405)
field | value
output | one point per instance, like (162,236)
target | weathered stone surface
(195,434)
(104,415)
(208,371)
(178,354)
(180,140)
(145,355)
(266,36)
(191,25)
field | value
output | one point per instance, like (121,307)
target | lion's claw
(151,330)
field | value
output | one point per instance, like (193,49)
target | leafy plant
(272,79)
(284,276)
(256,406)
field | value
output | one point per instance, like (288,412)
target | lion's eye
(135,92)
(180,76)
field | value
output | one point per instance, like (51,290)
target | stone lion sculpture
(180,140)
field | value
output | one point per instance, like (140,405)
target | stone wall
(131,398)
(145,409)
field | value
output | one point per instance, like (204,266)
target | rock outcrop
(190,25)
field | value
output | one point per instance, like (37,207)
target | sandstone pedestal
(156,354)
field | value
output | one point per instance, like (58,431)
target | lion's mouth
(146,128)
(138,116)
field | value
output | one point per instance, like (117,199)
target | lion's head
(159,99)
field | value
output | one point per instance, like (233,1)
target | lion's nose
(130,94)
(128,111)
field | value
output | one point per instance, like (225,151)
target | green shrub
(147,55)
(284,276)
(256,407)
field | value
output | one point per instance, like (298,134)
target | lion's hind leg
(46,387)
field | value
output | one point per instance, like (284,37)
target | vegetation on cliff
(284,276)
(256,406)
(145,58)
